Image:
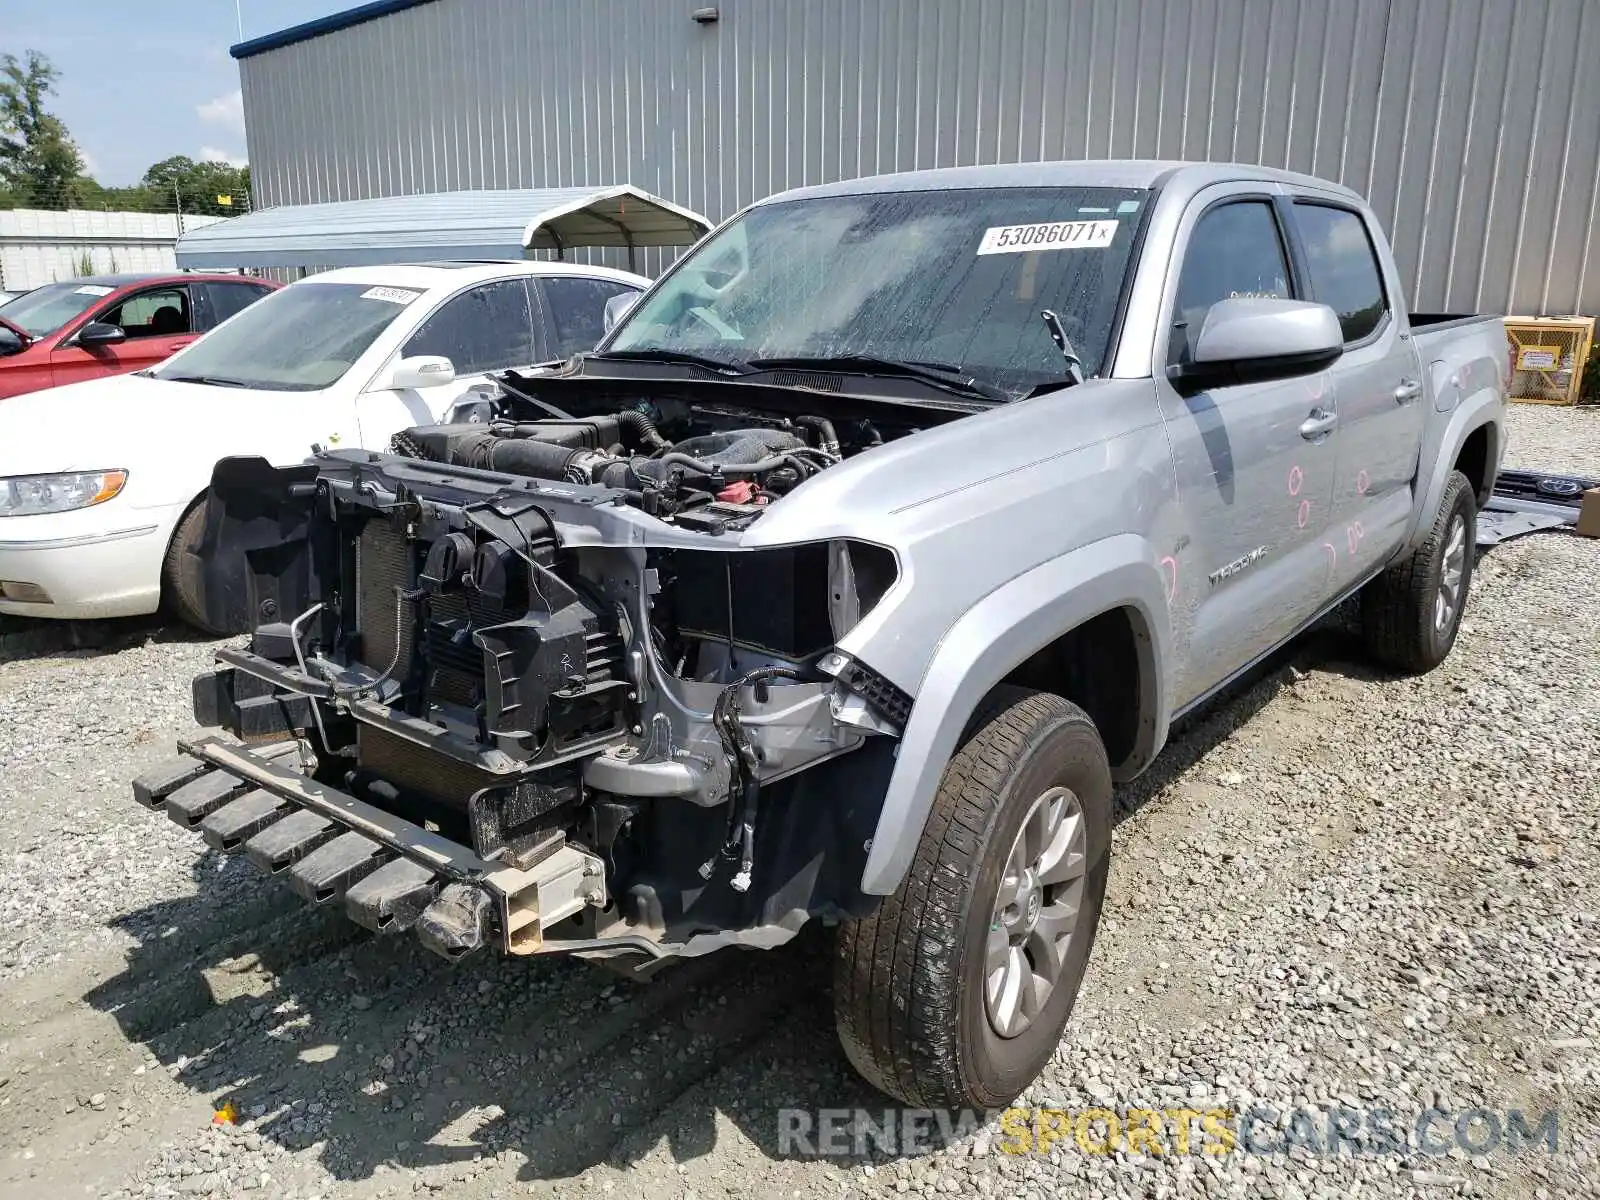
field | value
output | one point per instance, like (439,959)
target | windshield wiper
(213,380)
(948,376)
(1058,335)
(722,366)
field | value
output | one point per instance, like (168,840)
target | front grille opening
(471,657)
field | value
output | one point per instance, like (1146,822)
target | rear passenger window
(229,298)
(1235,250)
(1343,267)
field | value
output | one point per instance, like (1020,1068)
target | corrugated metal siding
(1473,125)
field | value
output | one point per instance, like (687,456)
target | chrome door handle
(1408,391)
(1318,425)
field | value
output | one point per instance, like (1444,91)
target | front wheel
(181,583)
(955,992)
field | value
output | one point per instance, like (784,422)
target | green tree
(136,198)
(40,167)
(196,185)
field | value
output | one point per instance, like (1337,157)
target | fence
(38,247)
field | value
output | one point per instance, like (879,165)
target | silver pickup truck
(886,532)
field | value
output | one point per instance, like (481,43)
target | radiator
(455,662)
(457,670)
(383,565)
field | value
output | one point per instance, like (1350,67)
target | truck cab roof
(1114,173)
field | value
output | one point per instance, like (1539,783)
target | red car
(111,324)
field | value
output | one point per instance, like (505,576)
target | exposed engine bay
(689,463)
(630,745)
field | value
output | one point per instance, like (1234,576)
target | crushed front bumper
(390,875)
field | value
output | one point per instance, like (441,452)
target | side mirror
(617,307)
(1249,339)
(100,333)
(421,371)
(11,342)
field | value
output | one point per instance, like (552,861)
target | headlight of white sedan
(30,495)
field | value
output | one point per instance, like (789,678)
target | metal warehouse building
(1473,125)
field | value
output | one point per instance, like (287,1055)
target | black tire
(181,581)
(909,981)
(1400,609)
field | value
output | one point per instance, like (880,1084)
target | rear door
(1254,469)
(487,327)
(1378,382)
(575,311)
(156,323)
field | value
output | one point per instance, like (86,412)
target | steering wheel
(716,324)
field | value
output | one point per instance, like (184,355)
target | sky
(144,81)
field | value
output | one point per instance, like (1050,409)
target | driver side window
(160,313)
(1234,250)
(487,328)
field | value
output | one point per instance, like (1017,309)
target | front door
(1379,383)
(1254,462)
(489,327)
(156,323)
(575,311)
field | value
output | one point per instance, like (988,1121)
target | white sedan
(101,482)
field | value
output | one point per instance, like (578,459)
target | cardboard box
(1589,515)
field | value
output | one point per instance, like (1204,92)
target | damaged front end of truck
(525,686)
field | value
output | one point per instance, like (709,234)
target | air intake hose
(643,430)
(475,446)
(521,456)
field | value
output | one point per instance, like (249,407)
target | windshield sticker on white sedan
(1054,235)
(391,294)
(94,289)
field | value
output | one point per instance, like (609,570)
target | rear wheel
(1411,613)
(181,582)
(955,992)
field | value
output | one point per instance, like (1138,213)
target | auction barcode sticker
(1054,235)
(393,295)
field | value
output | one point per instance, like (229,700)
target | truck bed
(1462,358)
(1459,340)
(1427,323)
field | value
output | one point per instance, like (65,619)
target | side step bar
(390,875)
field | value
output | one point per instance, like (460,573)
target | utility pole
(177,205)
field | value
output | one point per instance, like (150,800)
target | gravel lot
(1336,889)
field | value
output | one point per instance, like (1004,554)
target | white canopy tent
(498,224)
